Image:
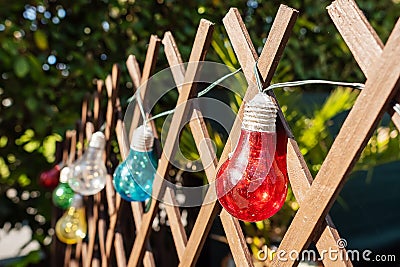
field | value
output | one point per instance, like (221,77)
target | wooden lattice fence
(108,243)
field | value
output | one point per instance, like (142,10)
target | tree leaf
(40,39)
(21,67)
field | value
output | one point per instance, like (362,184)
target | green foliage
(315,138)
(51,52)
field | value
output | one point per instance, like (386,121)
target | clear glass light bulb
(49,179)
(133,178)
(72,227)
(252,184)
(89,173)
(63,193)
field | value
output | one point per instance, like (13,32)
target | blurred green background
(51,53)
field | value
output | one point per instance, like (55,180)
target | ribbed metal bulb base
(260,114)
(142,139)
(98,140)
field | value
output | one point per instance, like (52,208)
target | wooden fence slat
(57,247)
(92,221)
(97,104)
(71,158)
(137,210)
(247,56)
(358,34)
(361,39)
(174,58)
(277,39)
(134,70)
(106,238)
(148,69)
(141,81)
(175,223)
(112,92)
(352,138)
(138,80)
(200,47)
(329,236)
(200,231)
(67,255)
(207,154)
(315,198)
(93,217)
(101,228)
(81,130)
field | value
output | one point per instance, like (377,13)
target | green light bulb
(63,193)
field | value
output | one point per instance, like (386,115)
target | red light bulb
(49,179)
(252,184)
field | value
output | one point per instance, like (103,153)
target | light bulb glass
(89,173)
(133,178)
(63,193)
(252,184)
(49,179)
(72,227)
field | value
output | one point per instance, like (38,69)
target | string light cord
(103,127)
(211,86)
(203,92)
(358,86)
(140,104)
(159,115)
(136,96)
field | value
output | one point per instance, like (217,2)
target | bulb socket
(142,139)
(98,140)
(64,174)
(260,114)
(77,201)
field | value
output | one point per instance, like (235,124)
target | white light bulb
(89,173)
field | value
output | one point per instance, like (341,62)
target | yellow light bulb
(72,227)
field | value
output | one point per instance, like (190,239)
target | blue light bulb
(133,178)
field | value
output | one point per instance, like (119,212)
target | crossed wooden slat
(208,212)
(113,200)
(383,81)
(267,64)
(139,80)
(86,128)
(93,215)
(77,136)
(188,91)
(312,222)
(207,155)
(361,39)
(285,19)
